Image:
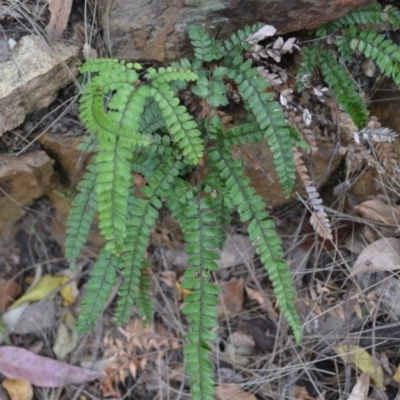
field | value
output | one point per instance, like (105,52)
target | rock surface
(259,166)
(32,76)
(23,179)
(157,30)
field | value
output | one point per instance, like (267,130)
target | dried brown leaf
(60,11)
(378,211)
(301,168)
(382,255)
(262,33)
(9,291)
(231,298)
(320,222)
(387,157)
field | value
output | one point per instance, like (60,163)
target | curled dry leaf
(44,287)
(231,298)
(261,34)
(378,211)
(18,363)
(18,389)
(382,255)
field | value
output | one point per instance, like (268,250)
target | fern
(142,217)
(383,51)
(307,67)
(144,302)
(205,49)
(370,14)
(261,231)
(112,187)
(140,127)
(269,117)
(81,216)
(343,87)
(98,290)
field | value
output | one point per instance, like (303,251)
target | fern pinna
(357,32)
(141,127)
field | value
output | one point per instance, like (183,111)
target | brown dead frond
(319,219)
(296,121)
(386,157)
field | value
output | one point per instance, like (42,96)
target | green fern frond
(200,232)
(383,51)
(88,144)
(165,75)
(270,118)
(343,87)
(248,132)
(205,48)
(261,231)
(142,215)
(180,123)
(393,16)
(98,290)
(112,188)
(151,120)
(369,14)
(144,302)
(111,105)
(81,216)
(307,67)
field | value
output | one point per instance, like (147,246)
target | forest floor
(347,293)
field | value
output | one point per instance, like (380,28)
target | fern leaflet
(383,51)
(81,216)
(343,87)
(142,216)
(98,290)
(200,232)
(270,118)
(261,231)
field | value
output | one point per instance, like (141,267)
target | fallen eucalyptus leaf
(362,360)
(44,287)
(381,255)
(18,363)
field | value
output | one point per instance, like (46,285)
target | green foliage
(141,127)
(343,87)
(81,216)
(138,125)
(357,33)
(383,51)
(98,290)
